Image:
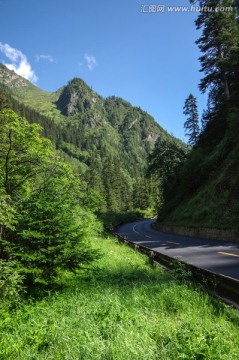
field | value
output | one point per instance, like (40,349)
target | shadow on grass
(163,283)
(125,281)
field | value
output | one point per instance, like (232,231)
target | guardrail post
(152,255)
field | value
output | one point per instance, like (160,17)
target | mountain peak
(10,78)
(76,97)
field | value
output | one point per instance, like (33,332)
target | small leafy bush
(11,283)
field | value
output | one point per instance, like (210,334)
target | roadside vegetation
(200,186)
(121,308)
(68,292)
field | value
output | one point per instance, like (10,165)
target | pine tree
(219,44)
(4,99)
(50,230)
(42,221)
(165,163)
(191,124)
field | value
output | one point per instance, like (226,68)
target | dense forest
(106,141)
(201,186)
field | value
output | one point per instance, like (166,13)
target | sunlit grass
(122,309)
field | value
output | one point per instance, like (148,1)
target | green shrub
(11,283)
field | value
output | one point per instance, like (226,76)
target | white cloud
(44,57)
(19,63)
(90,61)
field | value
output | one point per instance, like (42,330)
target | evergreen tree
(191,124)
(211,111)
(165,162)
(51,229)
(4,99)
(204,120)
(42,220)
(219,44)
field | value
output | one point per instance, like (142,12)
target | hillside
(205,189)
(32,96)
(106,140)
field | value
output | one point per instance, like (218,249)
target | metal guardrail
(225,287)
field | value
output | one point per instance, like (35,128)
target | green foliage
(22,151)
(107,141)
(204,190)
(43,219)
(191,124)
(165,162)
(74,152)
(4,99)
(7,212)
(167,158)
(179,270)
(219,60)
(219,46)
(122,309)
(207,187)
(11,283)
(111,219)
(50,234)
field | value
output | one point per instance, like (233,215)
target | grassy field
(122,309)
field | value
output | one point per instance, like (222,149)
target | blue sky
(147,58)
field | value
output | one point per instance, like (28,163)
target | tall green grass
(122,309)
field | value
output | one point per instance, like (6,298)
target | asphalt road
(218,256)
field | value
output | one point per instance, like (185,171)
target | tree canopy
(43,220)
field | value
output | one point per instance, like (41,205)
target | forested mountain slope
(204,187)
(205,191)
(106,140)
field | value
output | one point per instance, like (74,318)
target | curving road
(218,256)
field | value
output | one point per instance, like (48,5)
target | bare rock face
(152,138)
(10,78)
(77,97)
